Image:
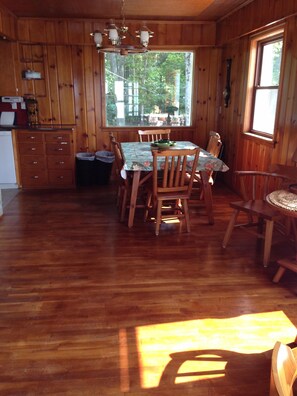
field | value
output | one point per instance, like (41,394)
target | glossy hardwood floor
(90,307)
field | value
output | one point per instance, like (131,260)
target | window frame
(193,91)
(257,45)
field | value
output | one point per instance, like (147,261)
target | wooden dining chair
(214,147)
(170,191)
(153,135)
(255,186)
(283,370)
(124,184)
(124,180)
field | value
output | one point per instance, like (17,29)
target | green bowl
(163,144)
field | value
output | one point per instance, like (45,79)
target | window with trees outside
(151,89)
(266,84)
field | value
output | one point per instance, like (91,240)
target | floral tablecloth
(138,156)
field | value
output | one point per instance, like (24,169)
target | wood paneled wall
(70,91)
(7,24)
(8,68)
(253,16)
(71,87)
(75,32)
(243,151)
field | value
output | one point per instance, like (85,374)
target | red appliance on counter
(17,105)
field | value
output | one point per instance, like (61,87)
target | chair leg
(147,205)
(158,217)
(280,272)
(124,205)
(268,242)
(186,214)
(230,228)
(285,264)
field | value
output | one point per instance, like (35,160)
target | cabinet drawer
(31,148)
(57,137)
(54,162)
(29,137)
(33,162)
(61,177)
(37,178)
(58,148)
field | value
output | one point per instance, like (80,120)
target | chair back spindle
(153,135)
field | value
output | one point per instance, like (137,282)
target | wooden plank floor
(90,307)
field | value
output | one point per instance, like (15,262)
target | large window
(151,89)
(267,67)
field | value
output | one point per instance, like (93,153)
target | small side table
(286,202)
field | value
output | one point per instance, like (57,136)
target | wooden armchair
(283,370)
(153,135)
(260,214)
(172,187)
(288,170)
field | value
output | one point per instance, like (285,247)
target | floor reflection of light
(124,362)
(158,345)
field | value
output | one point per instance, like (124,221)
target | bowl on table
(163,143)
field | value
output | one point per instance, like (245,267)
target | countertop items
(39,127)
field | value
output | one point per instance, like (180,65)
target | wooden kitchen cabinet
(46,158)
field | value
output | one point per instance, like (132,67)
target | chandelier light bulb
(144,37)
(98,39)
(113,36)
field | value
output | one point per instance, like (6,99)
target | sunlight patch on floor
(205,366)
(197,349)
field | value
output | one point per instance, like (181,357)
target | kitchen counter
(40,127)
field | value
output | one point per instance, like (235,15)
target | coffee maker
(32,111)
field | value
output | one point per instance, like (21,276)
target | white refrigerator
(7,164)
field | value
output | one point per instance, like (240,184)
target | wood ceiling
(172,10)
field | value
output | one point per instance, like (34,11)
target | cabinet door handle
(59,149)
(61,177)
(35,162)
(61,163)
(35,177)
(64,142)
(33,148)
(59,137)
(32,137)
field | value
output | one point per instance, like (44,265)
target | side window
(265,71)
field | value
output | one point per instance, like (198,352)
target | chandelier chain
(117,33)
(123,13)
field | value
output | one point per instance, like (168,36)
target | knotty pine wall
(70,91)
(7,24)
(243,152)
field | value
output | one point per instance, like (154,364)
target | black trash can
(103,166)
(84,166)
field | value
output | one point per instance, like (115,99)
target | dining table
(285,200)
(138,160)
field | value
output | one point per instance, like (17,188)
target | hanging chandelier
(116,35)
